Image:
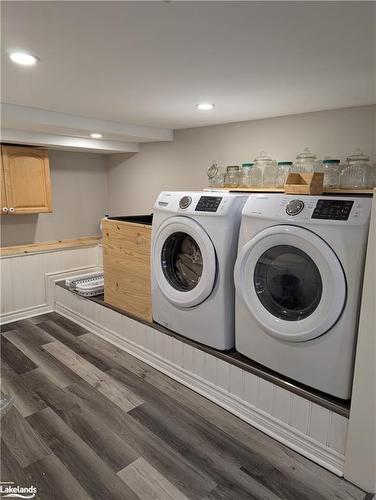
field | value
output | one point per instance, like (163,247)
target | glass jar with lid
(306,163)
(215,176)
(283,170)
(330,167)
(232,176)
(245,174)
(357,173)
(268,167)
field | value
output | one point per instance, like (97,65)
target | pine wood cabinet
(126,267)
(25,180)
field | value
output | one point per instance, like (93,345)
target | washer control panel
(208,203)
(311,210)
(294,207)
(185,202)
(332,209)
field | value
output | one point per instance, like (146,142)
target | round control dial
(185,202)
(294,207)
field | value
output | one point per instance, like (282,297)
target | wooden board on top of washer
(126,266)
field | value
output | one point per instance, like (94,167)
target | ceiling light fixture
(23,58)
(205,106)
(96,136)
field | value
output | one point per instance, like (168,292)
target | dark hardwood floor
(92,422)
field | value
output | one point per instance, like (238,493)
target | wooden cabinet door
(3,200)
(27,179)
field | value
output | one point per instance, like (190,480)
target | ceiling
(149,63)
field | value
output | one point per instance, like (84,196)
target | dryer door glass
(181,260)
(288,282)
(291,282)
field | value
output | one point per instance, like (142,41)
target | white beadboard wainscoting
(304,426)
(27,279)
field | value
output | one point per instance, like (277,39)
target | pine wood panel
(126,266)
(304,183)
(27,179)
(49,246)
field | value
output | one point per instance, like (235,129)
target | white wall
(360,464)
(79,199)
(27,279)
(135,181)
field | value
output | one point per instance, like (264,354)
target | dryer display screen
(332,209)
(208,203)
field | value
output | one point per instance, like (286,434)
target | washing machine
(298,278)
(194,247)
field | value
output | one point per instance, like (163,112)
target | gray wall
(135,182)
(85,186)
(79,199)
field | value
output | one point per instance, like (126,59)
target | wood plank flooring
(92,422)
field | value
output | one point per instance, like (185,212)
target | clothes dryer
(194,247)
(298,277)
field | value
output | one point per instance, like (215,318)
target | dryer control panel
(199,203)
(208,203)
(312,210)
(332,209)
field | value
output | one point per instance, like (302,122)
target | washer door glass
(291,282)
(288,282)
(182,261)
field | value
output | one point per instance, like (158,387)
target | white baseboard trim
(28,312)
(285,434)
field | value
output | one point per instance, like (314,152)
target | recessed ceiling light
(204,106)
(96,136)
(23,58)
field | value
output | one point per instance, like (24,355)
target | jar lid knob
(306,153)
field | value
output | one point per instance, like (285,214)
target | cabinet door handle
(5,209)
(11,209)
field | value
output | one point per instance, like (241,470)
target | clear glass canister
(306,162)
(283,170)
(215,176)
(232,176)
(268,167)
(245,174)
(357,173)
(330,167)
(256,176)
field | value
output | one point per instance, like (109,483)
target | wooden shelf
(349,191)
(49,246)
(281,190)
